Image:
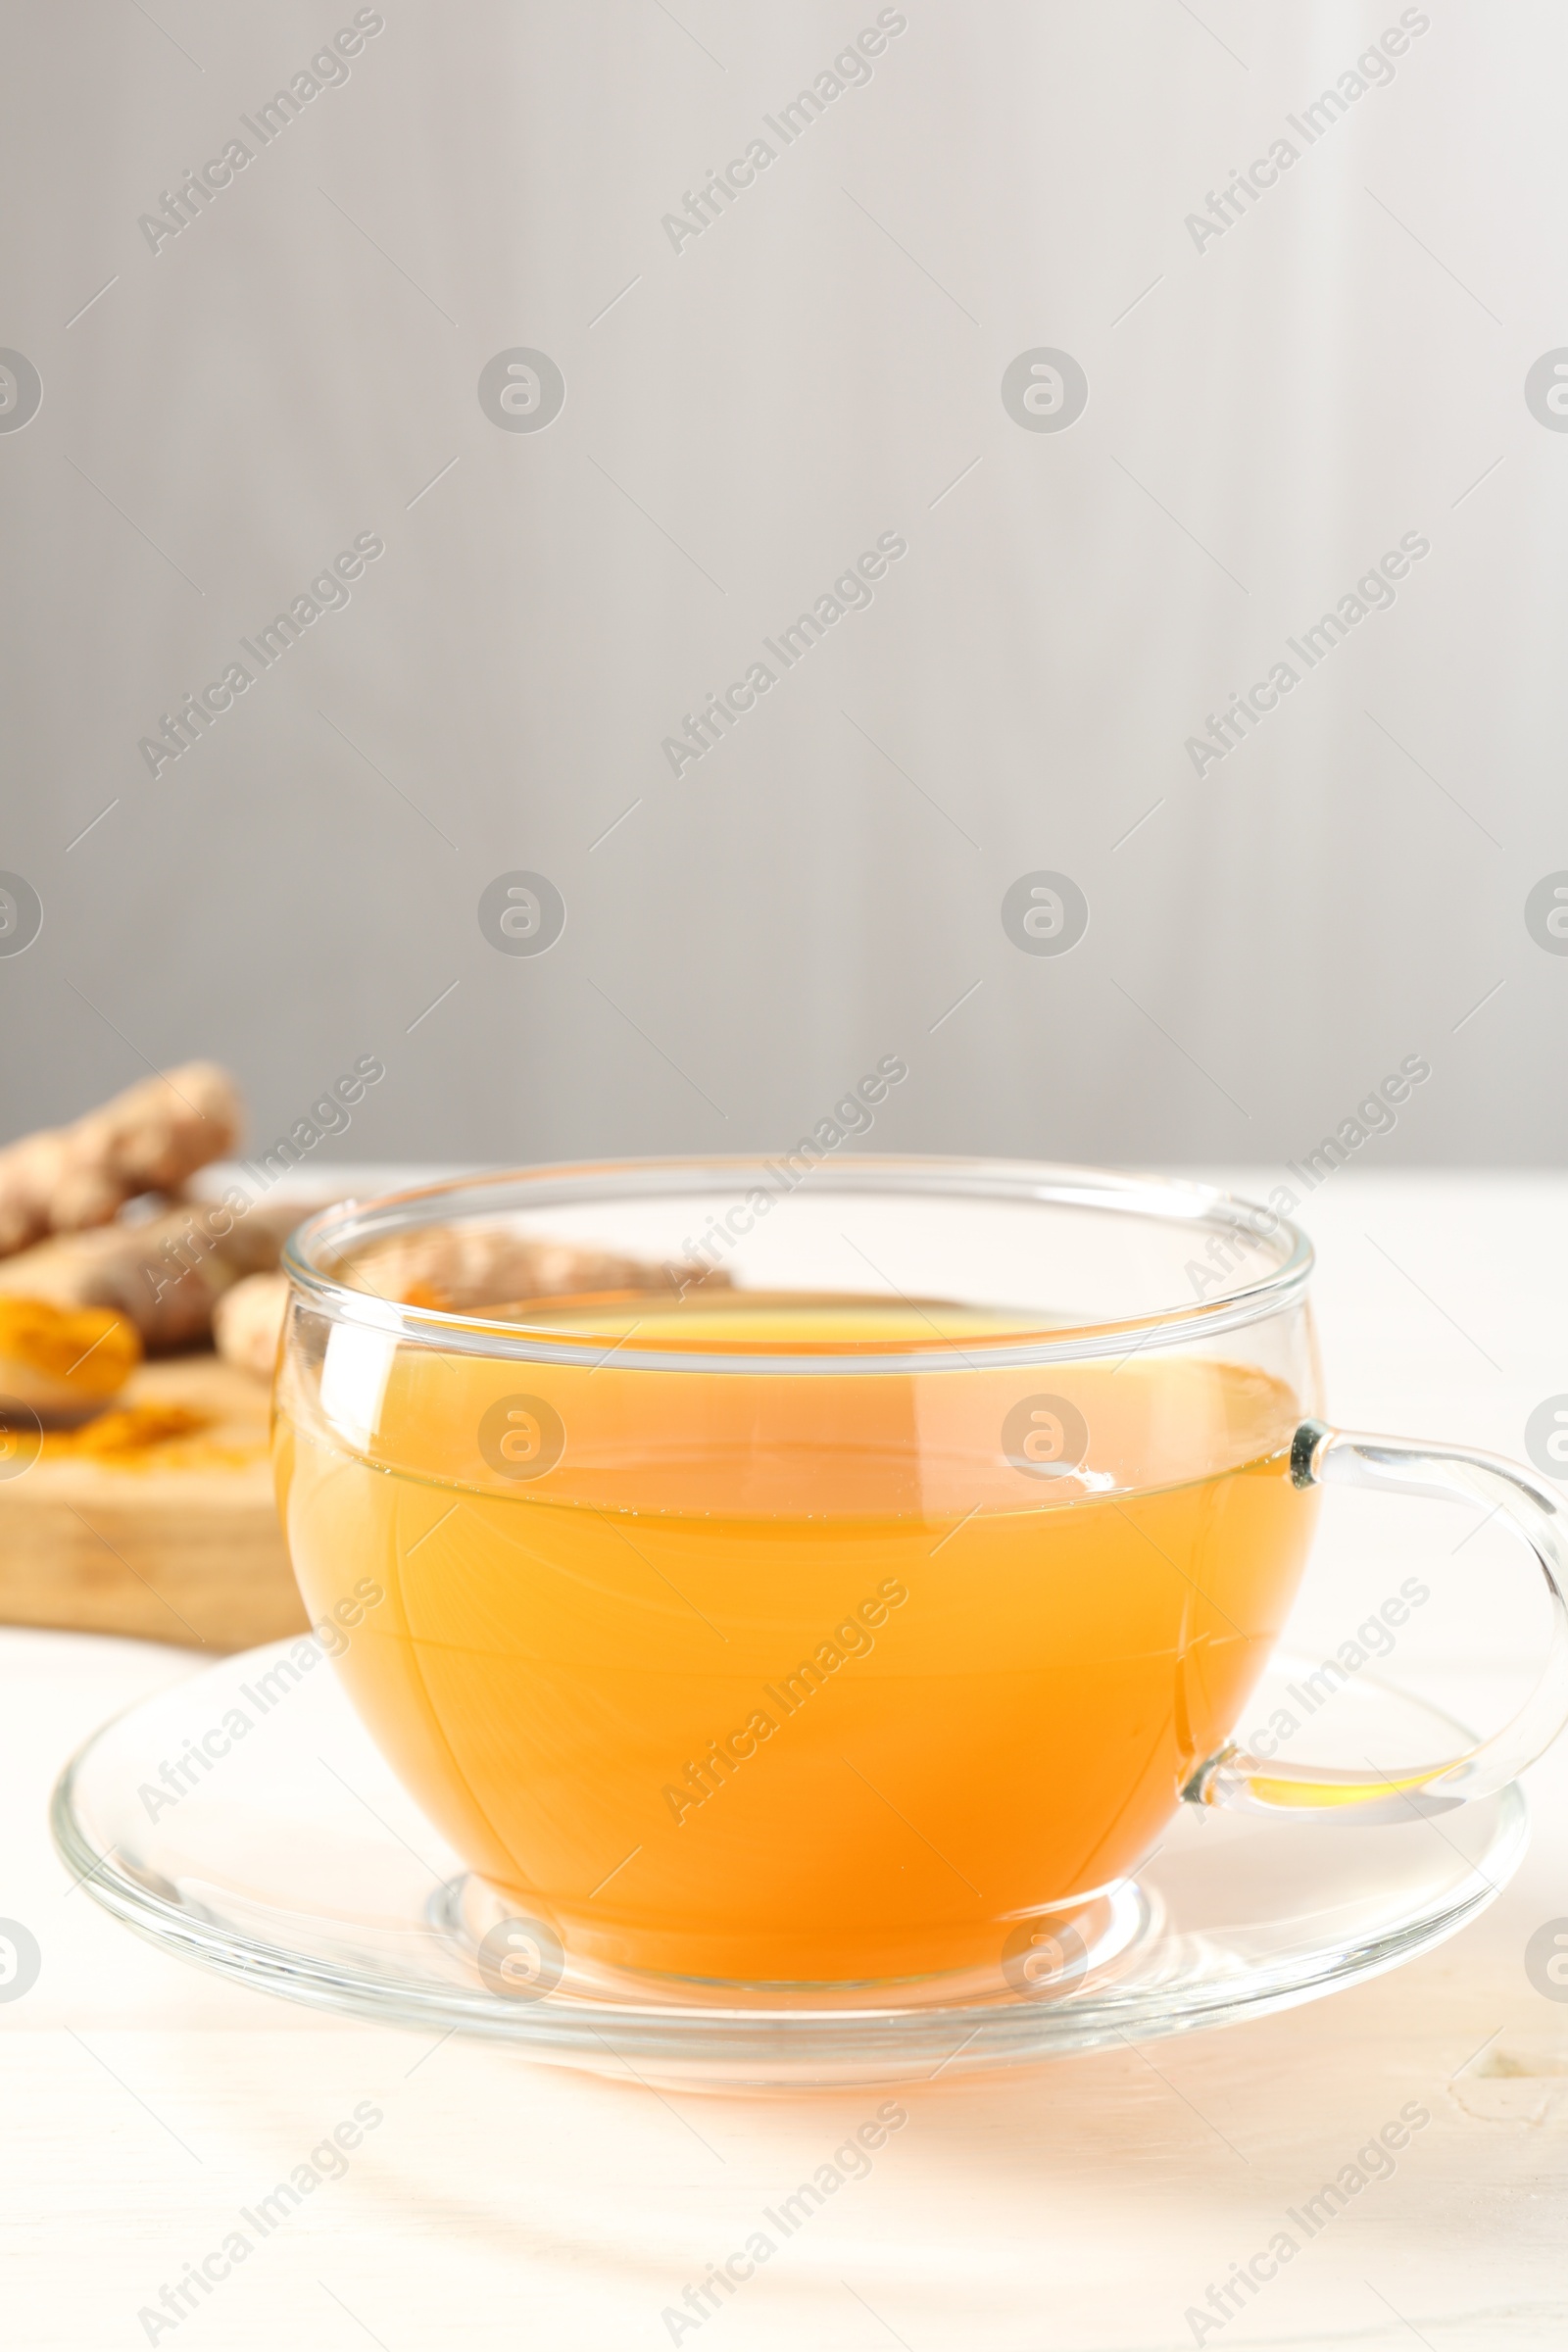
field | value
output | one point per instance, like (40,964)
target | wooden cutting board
(178,1544)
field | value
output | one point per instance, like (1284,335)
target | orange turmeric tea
(799,1679)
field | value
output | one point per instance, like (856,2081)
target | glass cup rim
(1205,1208)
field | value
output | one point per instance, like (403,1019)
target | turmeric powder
(137,1437)
(63,1362)
(133,1429)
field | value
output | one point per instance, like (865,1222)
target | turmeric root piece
(149,1138)
(248,1322)
(63,1362)
(472,1270)
(163,1275)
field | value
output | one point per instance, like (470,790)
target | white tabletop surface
(1085,2204)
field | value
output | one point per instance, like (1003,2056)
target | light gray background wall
(1266,416)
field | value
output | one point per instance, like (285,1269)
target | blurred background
(989,293)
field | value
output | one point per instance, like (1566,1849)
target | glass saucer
(297,1864)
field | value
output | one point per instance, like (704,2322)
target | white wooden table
(1087,2204)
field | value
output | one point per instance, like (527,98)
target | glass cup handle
(1335,1457)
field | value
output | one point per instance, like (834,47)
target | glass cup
(827,1573)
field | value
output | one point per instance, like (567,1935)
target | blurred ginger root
(165,1273)
(192,1271)
(488,1271)
(149,1138)
(248,1322)
(455,1269)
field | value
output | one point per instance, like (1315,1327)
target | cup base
(1090,1932)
